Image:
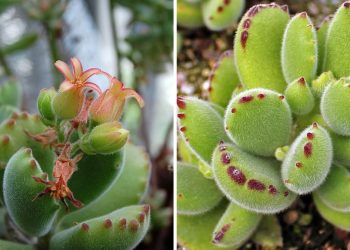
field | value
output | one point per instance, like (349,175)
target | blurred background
(198,50)
(132,40)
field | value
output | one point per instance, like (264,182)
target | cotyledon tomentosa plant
(214,14)
(277,126)
(69,179)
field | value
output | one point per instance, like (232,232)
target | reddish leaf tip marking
(107,223)
(85,227)
(256,185)
(220,235)
(183,129)
(225,158)
(261,96)
(134,225)
(5,140)
(33,164)
(301,81)
(253,11)
(181,116)
(24,115)
(272,190)
(308,149)
(14,115)
(310,136)
(146,209)
(285,194)
(236,175)
(244,38)
(246,23)
(10,123)
(122,223)
(141,217)
(246,99)
(285,8)
(347,4)
(298,164)
(281,97)
(303,14)
(233,110)
(180,102)
(227,2)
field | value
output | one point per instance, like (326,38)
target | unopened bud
(44,104)
(106,138)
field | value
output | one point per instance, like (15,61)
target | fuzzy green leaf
(201,126)
(249,181)
(259,121)
(33,217)
(195,194)
(308,160)
(299,49)
(335,191)
(235,226)
(257,47)
(218,16)
(223,80)
(119,230)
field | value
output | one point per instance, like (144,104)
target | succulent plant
(276,126)
(10,98)
(69,178)
(216,15)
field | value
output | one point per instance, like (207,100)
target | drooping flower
(109,106)
(68,102)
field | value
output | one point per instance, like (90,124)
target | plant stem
(115,40)
(54,52)
(4,65)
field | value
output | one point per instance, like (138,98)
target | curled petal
(77,67)
(65,70)
(117,89)
(115,85)
(89,73)
(93,86)
(132,93)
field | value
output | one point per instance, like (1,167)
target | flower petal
(93,86)
(65,70)
(89,73)
(132,93)
(77,67)
(65,85)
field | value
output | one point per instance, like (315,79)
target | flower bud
(67,104)
(44,104)
(106,138)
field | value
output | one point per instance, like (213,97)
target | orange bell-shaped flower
(109,106)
